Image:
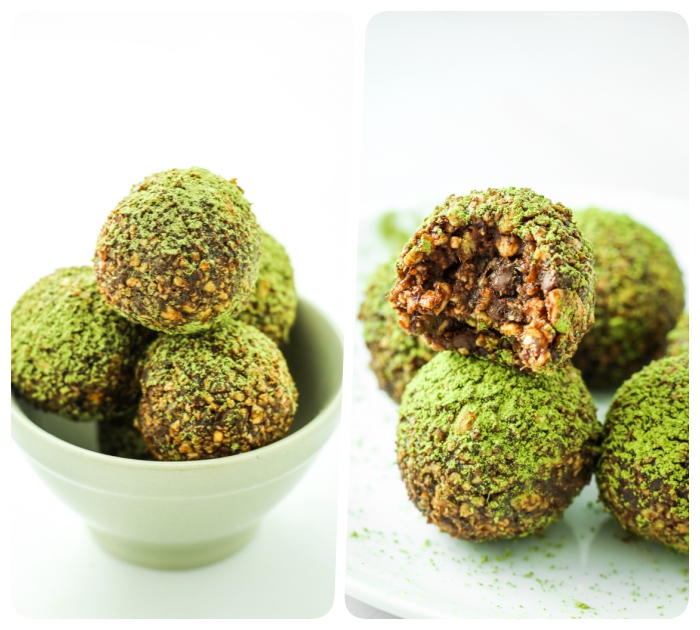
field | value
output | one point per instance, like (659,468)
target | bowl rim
(270,450)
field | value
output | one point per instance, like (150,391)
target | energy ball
(503,274)
(120,438)
(272,306)
(643,474)
(678,340)
(639,296)
(488,452)
(219,393)
(396,355)
(71,353)
(177,253)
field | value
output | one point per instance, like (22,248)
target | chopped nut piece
(171,219)
(511,471)
(507,251)
(209,378)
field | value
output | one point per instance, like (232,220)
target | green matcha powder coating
(396,355)
(558,255)
(642,474)
(639,296)
(272,305)
(71,353)
(218,393)
(181,250)
(678,340)
(488,452)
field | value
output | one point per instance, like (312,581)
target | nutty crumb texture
(642,475)
(272,305)
(639,296)
(678,340)
(219,393)
(396,355)
(488,452)
(503,274)
(71,353)
(119,437)
(179,251)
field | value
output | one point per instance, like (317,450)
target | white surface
(98,101)
(558,102)
(404,566)
(399,564)
(585,108)
(59,571)
(363,610)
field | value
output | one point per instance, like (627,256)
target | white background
(99,101)
(120,119)
(584,108)
(557,102)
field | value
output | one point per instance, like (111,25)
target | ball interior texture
(503,274)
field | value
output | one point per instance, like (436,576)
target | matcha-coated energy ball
(181,250)
(71,353)
(639,296)
(219,393)
(396,355)
(678,340)
(503,274)
(272,305)
(120,438)
(488,452)
(643,474)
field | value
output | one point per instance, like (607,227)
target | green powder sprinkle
(639,296)
(481,447)
(71,353)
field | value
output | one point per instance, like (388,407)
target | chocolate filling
(475,289)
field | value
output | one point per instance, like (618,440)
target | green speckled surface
(584,566)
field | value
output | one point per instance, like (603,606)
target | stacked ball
(496,438)
(164,341)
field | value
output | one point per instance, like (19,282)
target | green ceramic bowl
(175,515)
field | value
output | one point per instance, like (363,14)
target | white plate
(585,565)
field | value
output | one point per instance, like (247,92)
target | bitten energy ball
(396,355)
(179,251)
(503,274)
(120,438)
(71,353)
(678,340)
(639,296)
(643,474)
(272,306)
(488,452)
(215,394)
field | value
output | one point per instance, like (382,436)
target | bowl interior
(315,358)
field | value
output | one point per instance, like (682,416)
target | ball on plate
(488,452)
(639,296)
(642,474)
(396,355)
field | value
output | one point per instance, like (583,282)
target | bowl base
(186,556)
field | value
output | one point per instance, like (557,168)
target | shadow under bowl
(176,515)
